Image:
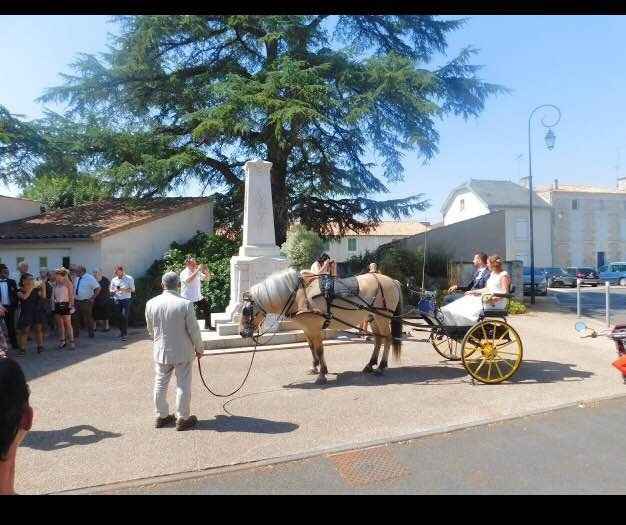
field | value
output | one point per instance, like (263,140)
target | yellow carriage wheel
(445,346)
(491,351)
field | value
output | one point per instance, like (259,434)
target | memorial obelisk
(258,255)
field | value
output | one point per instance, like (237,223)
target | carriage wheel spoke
(505,344)
(489,371)
(506,332)
(516,354)
(498,369)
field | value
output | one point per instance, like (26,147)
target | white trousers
(163,373)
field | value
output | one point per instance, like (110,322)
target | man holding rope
(172,323)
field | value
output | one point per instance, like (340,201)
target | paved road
(572,450)
(593,301)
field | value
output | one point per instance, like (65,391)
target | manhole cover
(361,467)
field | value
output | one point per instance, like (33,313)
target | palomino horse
(284,293)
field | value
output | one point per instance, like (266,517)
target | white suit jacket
(172,323)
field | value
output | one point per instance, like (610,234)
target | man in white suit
(172,323)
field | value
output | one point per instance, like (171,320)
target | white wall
(12,208)
(339,250)
(516,246)
(86,253)
(137,248)
(472,207)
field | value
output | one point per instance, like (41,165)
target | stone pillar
(258,255)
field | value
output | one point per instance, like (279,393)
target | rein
(256,340)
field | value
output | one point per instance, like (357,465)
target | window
(325,245)
(43,262)
(461,204)
(574,204)
(19,260)
(352,245)
(521,229)
(522,257)
(66,262)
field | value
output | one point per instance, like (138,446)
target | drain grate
(372,465)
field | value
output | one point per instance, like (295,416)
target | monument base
(245,272)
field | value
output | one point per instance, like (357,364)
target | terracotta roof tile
(94,220)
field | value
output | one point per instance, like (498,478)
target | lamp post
(550,139)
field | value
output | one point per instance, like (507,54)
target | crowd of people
(65,301)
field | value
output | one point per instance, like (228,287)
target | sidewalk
(93,407)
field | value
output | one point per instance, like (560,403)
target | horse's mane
(276,289)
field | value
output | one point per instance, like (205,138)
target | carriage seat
(498,312)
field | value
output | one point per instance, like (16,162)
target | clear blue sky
(575,62)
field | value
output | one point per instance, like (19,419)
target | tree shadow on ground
(52,359)
(402,375)
(252,425)
(48,440)
(533,371)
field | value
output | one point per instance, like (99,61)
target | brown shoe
(186,424)
(160,422)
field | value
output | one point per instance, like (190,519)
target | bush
(302,247)
(515,307)
(213,250)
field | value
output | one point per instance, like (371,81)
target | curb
(235,467)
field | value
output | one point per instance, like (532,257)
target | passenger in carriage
(466,310)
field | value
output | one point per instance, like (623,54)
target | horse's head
(252,316)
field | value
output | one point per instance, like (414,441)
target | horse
(284,293)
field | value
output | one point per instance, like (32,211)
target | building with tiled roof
(588,223)
(131,232)
(353,244)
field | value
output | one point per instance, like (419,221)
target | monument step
(212,341)
(224,329)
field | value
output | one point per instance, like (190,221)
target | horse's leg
(319,346)
(369,368)
(316,361)
(386,336)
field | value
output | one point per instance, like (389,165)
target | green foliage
(302,246)
(516,307)
(405,266)
(213,250)
(64,192)
(192,97)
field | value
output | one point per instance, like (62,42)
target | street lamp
(549,139)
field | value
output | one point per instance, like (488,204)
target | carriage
(491,350)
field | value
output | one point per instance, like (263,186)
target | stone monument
(258,256)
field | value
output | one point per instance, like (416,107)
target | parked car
(541,282)
(586,275)
(557,276)
(615,273)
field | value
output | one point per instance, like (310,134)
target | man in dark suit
(8,299)
(479,279)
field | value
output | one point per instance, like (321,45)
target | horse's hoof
(314,372)
(321,380)
(368,369)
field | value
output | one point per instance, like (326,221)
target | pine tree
(181,98)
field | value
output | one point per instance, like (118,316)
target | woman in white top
(63,307)
(466,310)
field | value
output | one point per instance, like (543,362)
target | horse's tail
(396,327)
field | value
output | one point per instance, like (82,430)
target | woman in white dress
(466,310)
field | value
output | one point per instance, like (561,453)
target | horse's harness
(247,314)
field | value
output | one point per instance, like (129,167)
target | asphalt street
(576,450)
(593,301)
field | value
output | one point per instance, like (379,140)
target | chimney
(556,184)
(524,182)
(621,184)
